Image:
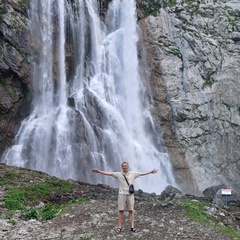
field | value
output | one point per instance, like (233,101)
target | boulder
(171,192)
(210,192)
(229,200)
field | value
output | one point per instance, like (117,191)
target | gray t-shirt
(123,186)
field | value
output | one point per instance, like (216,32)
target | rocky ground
(97,218)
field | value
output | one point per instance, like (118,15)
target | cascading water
(88,97)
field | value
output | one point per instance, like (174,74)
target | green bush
(26,197)
(30,214)
(15,199)
(50,211)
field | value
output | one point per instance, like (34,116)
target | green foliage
(189,2)
(19,198)
(50,211)
(232,21)
(26,180)
(9,214)
(15,199)
(229,231)
(13,204)
(209,81)
(11,175)
(177,53)
(196,212)
(150,8)
(24,192)
(47,213)
(8,178)
(169,3)
(160,198)
(38,192)
(30,214)
(13,222)
(80,200)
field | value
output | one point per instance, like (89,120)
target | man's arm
(95,170)
(146,173)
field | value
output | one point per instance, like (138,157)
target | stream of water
(89,106)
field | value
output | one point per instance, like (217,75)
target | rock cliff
(193,50)
(14,67)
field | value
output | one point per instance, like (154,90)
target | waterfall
(89,107)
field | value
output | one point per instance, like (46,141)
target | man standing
(125,199)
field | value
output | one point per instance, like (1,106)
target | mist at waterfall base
(89,106)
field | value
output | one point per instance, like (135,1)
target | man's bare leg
(131,216)
(120,218)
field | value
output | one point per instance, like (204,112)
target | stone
(171,192)
(210,192)
(221,200)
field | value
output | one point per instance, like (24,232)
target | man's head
(125,167)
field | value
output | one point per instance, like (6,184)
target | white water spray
(87,108)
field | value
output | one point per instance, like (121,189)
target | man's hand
(154,171)
(95,170)
(146,173)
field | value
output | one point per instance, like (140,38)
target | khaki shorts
(125,201)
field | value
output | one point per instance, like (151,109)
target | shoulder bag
(131,187)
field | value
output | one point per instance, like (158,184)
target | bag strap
(126,179)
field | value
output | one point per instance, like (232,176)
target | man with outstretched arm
(125,199)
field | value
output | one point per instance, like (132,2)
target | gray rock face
(14,67)
(196,48)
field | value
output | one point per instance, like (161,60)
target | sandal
(133,230)
(118,230)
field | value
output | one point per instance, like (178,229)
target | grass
(16,198)
(13,222)
(24,193)
(195,211)
(11,175)
(151,8)
(23,197)
(8,178)
(169,3)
